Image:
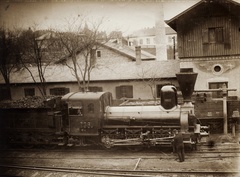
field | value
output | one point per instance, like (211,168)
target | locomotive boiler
(153,125)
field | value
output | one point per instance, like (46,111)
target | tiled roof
(111,72)
(129,51)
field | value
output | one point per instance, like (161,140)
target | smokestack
(186,79)
(161,45)
(138,55)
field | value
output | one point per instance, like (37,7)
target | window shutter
(67,90)
(118,92)
(124,91)
(29,92)
(99,89)
(4,94)
(227,43)
(51,91)
(205,36)
(95,89)
(212,35)
(129,90)
(219,34)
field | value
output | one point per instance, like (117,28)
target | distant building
(146,39)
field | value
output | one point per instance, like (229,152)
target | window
(217,85)
(29,92)
(76,111)
(217,69)
(148,40)
(4,94)
(213,35)
(170,38)
(99,54)
(95,89)
(154,40)
(125,91)
(141,41)
(59,91)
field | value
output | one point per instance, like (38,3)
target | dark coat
(178,140)
(179,146)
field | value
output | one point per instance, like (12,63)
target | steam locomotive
(87,118)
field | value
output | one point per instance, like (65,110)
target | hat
(175,131)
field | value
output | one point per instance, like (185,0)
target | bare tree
(36,48)
(149,77)
(7,59)
(79,44)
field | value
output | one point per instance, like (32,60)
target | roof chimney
(138,55)
(161,46)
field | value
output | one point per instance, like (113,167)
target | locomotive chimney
(186,79)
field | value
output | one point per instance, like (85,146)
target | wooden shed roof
(200,8)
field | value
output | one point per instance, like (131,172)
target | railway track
(219,161)
(126,173)
(118,156)
(204,147)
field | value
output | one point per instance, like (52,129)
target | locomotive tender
(89,118)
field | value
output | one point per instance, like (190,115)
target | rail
(110,172)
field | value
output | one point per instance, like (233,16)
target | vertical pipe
(225,129)
(225,124)
(234,129)
(174,48)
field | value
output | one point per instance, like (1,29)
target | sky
(124,15)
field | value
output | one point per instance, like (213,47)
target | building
(146,38)
(208,41)
(118,71)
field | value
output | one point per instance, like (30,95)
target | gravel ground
(125,160)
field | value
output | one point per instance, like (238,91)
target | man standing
(178,145)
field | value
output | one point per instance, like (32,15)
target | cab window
(77,111)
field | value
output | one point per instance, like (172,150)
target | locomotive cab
(85,111)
